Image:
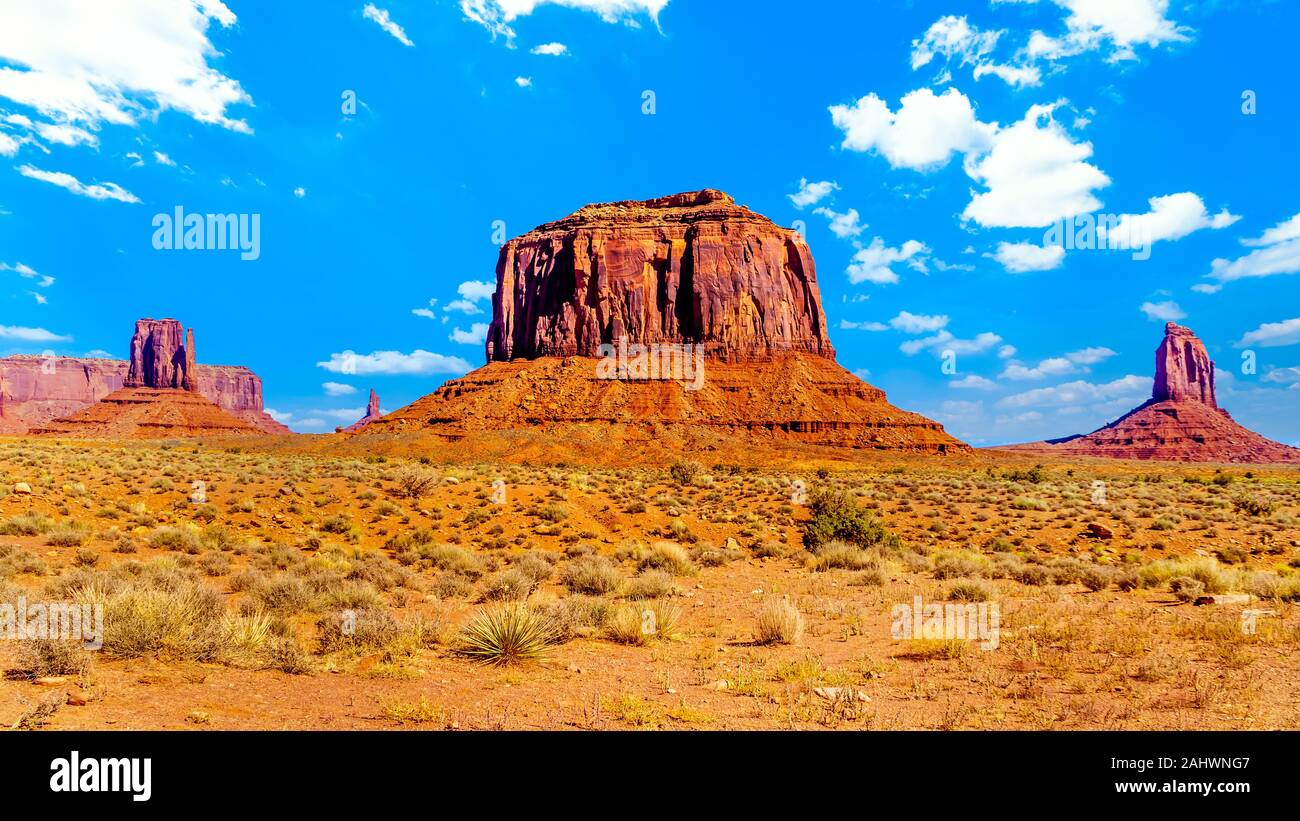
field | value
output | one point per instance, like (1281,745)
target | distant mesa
(693,276)
(169,393)
(1181,422)
(372,413)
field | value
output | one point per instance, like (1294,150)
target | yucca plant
(508,634)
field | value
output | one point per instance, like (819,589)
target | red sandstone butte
(1181,422)
(689,269)
(372,413)
(692,267)
(36,390)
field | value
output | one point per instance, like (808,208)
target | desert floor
(246,589)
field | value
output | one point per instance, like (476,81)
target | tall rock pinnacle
(1184,370)
(161,357)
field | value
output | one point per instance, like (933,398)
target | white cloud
(31,334)
(8,145)
(424,312)
(973,382)
(1272,334)
(811,193)
(418,362)
(40,298)
(163,159)
(847,325)
(911,323)
(64,134)
(955,39)
(300,192)
(283,417)
(476,290)
(337,389)
(115,62)
(98,353)
(1171,217)
(385,22)
(1021,257)
(1283,376)
(1166,311)
(1073,362)
(462,306)
(97,191)
(1006,351)
(1079,392)
(1278,252)
(872,264)
(551,49)
(524,82)
(476,335)
(844,225)
(1092,25)
(1035,175)
(496,15)
(923,135)
(944,342)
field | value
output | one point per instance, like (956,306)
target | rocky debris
(1099,531)
(839,693)
(372,413)
(35,390)
(1181,422)
(23,489)
(690,268)
(1223,598)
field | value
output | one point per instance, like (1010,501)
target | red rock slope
(1181,422)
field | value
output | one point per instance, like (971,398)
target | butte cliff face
(732,296)
(691,268)
(1181,422)
(35,390)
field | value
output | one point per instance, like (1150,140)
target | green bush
(836,517)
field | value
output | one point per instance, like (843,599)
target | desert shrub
(1027,503)
(842,555)
(1185,588)
(184,622)
(650,584)
(837,517)
(341,523)
(375,569)
(285,654)
(416,483)
(1253,507)
(639,624)
(174,538)
(684,472)
(534,566)
(86,557)
(32,524)
(1032,574)
(1230,554)
(591,575)
(370,629)
(68,534)
(971,591)
(451,558)
(279,595)
(1127,580)
(215,564)
(779,622)
(51,657)
(507,634)
(572,616)
(670,557)
(509,585)
(956,564)
(451,586)
(1096,578)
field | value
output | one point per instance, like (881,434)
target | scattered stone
(50,681)
(1098,531)
(1224,598)
(23,489)
(76,700)
(720,684)
(832,693)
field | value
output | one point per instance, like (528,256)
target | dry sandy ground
(1067,657)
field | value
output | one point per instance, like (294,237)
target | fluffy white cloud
(862,326)
(385,22)
(1283,376)
(1166,311)
(115,61)
(1171,217)
(911,323)
(1035,175)
(551,49)
(476,335)
(418,362)
(973,382)
(945,341)
(96,191)
(497,15)
(844,226)
(923,135)
(524,82)
(474,290)
(1272,334)
(22,334)
(1073,362)
(1277,252)
(1079,392)
(1121,25)
(1021,257)
(337,389)
(811,193)
(872,264)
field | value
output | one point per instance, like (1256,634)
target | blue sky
(926,148)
